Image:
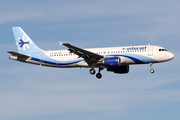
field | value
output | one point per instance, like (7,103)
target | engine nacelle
(120,70)
(112,61)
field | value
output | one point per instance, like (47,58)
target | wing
(88,56)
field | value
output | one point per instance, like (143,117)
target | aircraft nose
(171,56)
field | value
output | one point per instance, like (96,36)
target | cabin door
(150,50)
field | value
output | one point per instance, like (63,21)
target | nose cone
(171,56)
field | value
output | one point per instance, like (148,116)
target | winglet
(61,43)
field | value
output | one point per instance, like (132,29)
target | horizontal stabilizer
(18,54)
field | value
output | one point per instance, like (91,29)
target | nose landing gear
(152,71)
(151,66)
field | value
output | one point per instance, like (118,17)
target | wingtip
(9,51)
(61,43)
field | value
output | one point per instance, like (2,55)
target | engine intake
(112,61)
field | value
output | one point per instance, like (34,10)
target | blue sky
(33,92)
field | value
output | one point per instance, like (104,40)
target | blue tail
(24,43)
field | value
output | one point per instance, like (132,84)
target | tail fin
(24,42)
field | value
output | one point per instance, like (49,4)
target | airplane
(113,59)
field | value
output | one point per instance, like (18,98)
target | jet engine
(112,61)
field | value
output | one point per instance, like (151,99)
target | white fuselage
(129,55)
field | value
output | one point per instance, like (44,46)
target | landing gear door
(150,50)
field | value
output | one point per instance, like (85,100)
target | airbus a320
(113,59)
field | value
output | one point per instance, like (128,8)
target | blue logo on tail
(23,43)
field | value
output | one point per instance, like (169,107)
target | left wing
(88,56)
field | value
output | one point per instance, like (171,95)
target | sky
(42,93)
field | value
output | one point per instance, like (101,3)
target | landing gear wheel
(92,71)
(151,66)
(98,75)
(152,71)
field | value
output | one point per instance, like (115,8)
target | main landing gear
(151,66)
(92,71)
(98,75)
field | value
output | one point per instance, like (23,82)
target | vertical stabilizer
(24,43)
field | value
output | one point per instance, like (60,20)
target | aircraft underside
(121,69)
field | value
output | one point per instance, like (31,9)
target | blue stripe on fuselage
(138,59)
(57,62)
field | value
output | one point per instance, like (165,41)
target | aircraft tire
(92,71)
(152,71)
(98,75)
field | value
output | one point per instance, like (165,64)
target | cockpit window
(162,50)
